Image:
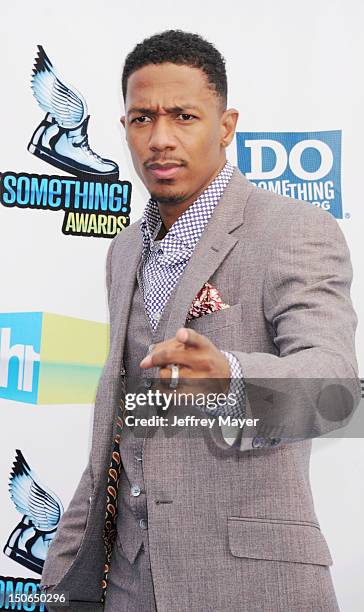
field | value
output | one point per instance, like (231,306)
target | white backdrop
(292,67)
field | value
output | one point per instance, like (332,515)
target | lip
(164,171)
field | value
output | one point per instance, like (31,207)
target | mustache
(164,160)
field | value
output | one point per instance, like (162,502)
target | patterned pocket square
(207,300)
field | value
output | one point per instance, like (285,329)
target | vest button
(135,490)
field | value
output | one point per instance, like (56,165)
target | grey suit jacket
(241,533)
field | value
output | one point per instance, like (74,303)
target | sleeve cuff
(235,396)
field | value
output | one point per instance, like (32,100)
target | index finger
(191,338)
(164,344)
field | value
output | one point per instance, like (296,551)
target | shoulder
(125,240)
(279,215)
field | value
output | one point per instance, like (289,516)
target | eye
(186,116)
(141,120)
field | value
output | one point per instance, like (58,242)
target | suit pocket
(217,320)
(278,540)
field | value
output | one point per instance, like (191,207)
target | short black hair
(181,48)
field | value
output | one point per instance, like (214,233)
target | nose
(161,136)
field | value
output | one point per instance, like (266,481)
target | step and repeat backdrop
(67,187)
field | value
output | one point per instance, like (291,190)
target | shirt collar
(187,230)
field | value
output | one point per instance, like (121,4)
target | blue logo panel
(300,165)
(20,339)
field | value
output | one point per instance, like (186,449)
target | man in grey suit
(221,282)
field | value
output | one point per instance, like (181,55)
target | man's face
(176,130)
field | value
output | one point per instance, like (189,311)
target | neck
(169,214)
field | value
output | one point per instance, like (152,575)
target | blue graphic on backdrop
(95,202)
(29,542)
(20,338)
(301,165)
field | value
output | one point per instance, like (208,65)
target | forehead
(169,85)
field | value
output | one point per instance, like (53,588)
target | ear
(229,120)
(122,120)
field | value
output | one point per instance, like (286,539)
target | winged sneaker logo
(41,511)
(95,201)
(61,138)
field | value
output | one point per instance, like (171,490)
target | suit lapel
(120,301)
(124,291)
(214,245)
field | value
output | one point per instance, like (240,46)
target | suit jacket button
(143,524)
(258,442)
(275,441)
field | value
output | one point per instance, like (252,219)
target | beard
(171,198)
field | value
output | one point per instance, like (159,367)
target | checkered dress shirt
(163,262)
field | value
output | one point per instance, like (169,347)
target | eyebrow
(171,110)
